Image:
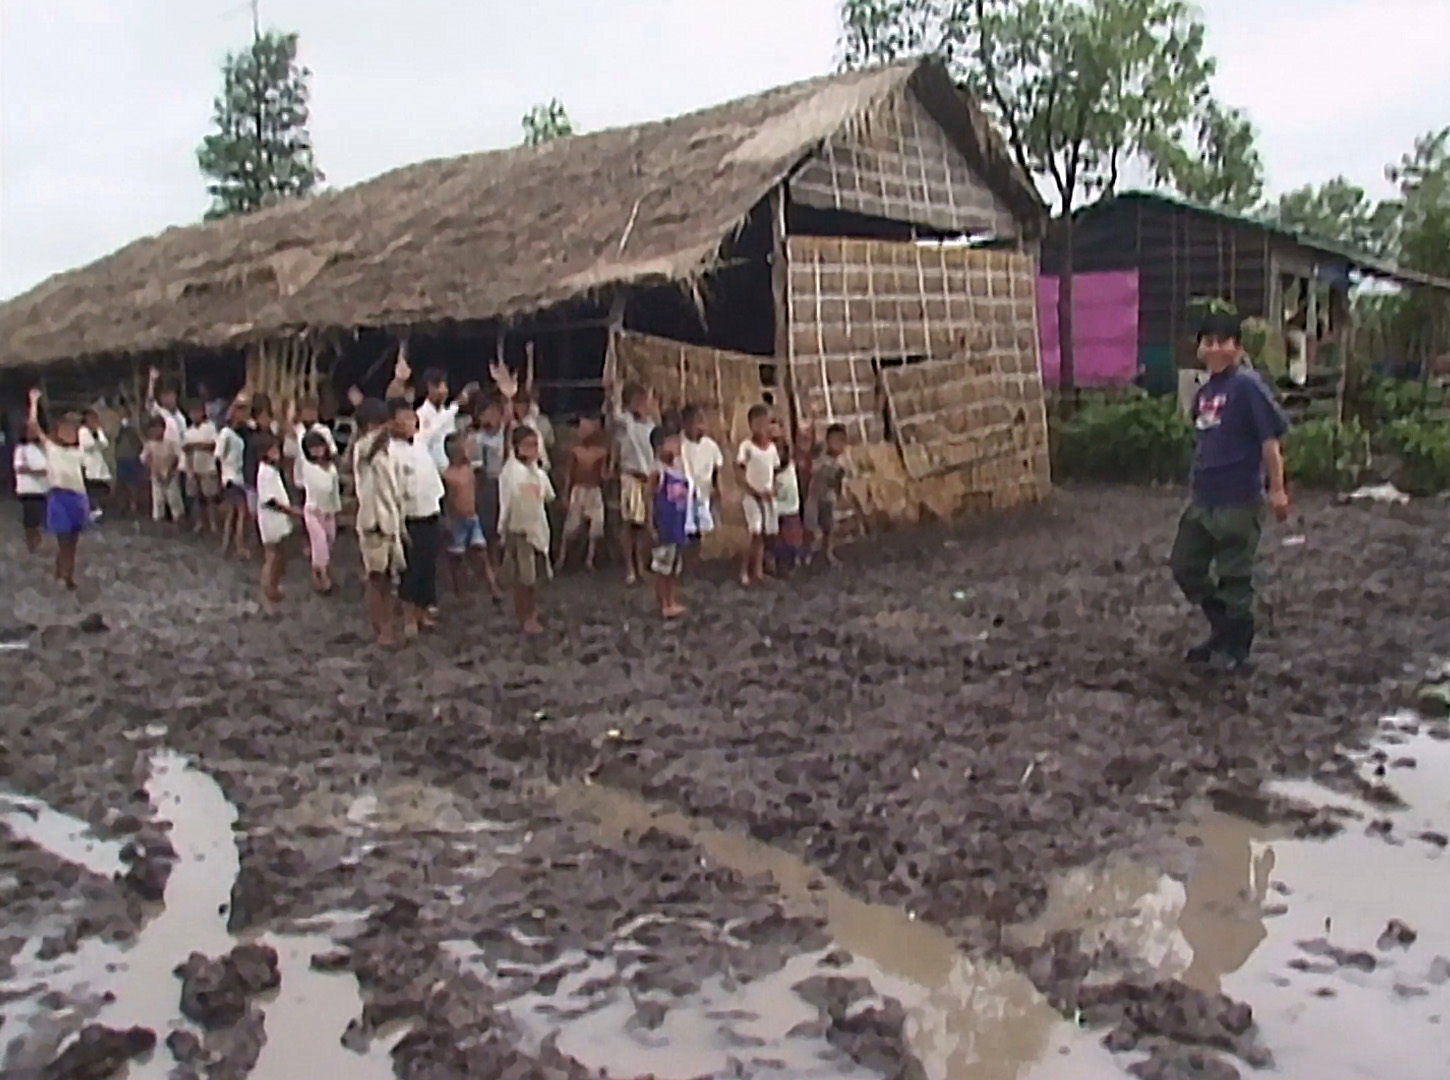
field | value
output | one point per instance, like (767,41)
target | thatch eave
(494,236)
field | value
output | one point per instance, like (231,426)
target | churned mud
(956,811)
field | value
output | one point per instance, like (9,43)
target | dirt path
(942,729)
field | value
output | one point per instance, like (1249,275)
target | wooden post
(780,295)
(613,403)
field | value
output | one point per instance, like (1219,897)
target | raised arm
(32,416)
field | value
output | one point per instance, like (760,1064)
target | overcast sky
(102,102)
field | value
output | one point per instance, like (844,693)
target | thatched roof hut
(487,236)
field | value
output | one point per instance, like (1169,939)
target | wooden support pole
(780,295)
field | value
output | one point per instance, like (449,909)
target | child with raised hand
(322,495)
(380,527)
(421,487)
(464,531)
(161,456)
(827,478)
(524,494)
(67,509)
(756,463)
(275,515)
(670,519)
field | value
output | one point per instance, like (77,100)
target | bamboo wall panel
(930,353)
(725,384)
(898,163)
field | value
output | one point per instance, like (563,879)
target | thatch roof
(488,235)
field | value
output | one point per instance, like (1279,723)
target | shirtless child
(585,473)
(465,533)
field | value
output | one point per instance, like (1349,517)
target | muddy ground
(942,729)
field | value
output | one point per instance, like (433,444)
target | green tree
(545,123)
(1080,89)
(1340,212)
(260,151)
(1417,321)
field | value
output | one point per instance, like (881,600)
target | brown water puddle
(968,1019)
(1237,921)
(305,1018)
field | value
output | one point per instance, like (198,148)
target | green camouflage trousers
(1213,556)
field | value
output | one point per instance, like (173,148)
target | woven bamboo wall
(929,356)
(898,163)
(725,385)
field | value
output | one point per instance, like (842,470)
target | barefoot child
(703,461)
(465,532)
(130,473)
(524,494)
(421,487)
(275,514)
(827,478)
(790,544)
(231,454)
(162,458)
(487,449)
(67,510)
(94,446)
(636,462)
(585,471)
(379,518)
(322,492)
(203,479)
(669,515)
(32,483)
(756,464)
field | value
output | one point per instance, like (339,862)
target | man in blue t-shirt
(1238,458)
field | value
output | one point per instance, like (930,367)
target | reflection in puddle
(967,1019)
(1255,893)
(304,1022)
(64,836)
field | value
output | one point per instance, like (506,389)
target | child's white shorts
(761,518)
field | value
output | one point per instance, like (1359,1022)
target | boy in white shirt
(94,447)
(379,522)
(275,514)
(524,494)
(32,483)
(231,456)
(203,478)
(756,464)
(421,486)
(703,462)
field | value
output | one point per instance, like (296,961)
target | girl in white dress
(275,514)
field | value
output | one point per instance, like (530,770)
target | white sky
(102,102)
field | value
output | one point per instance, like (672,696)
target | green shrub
(1132,440)
(1423,447)
(1324,454)
(1398,399)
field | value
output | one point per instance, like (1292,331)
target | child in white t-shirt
(31,484)
(275,515)
(203,477)
(703,462)
(317,472)
(756,464)
(523,523)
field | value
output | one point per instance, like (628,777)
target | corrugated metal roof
(1368,264)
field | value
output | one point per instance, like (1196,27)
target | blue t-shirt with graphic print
(1234,414)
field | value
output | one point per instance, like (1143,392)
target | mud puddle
(967,1019)
(1300,929)
(136,986)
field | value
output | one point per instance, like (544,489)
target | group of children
(468,482)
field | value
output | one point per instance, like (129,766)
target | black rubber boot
(1215,643)
(1238,643)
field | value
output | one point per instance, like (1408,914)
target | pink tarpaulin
(1104,328)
